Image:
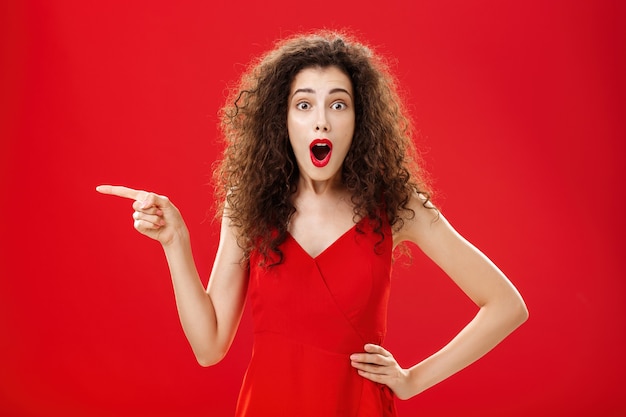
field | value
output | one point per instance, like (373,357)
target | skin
(320,106)
(320,103)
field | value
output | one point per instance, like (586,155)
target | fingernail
(353,357)
(144,204)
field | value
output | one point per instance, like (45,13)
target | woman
(320,183)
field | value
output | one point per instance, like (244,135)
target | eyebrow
(312,91)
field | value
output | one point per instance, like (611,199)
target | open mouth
(321,150)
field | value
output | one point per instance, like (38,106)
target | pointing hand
(154,215)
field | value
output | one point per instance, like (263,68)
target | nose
(321,124)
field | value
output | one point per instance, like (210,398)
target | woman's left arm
(501,308)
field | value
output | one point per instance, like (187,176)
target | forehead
(320,79)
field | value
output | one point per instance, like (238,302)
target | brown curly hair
(258,173)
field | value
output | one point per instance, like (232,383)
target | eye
(303,105)
(338,105)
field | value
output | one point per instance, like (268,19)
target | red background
(520,108)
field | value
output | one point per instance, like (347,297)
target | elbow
(518,311)
(524,314)
(510,312)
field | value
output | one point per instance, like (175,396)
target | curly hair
(258,173)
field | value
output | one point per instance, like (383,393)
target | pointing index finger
(119,191)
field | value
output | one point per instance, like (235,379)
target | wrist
(414,381)
(176,239)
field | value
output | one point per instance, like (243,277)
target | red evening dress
(309,315)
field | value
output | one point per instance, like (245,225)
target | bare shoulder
(423,219)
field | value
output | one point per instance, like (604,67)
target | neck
(319,188)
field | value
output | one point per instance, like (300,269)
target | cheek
(298,146)
(347,125)
(289,127)
(348,131)
(294,127)
(346,149)
(348,140)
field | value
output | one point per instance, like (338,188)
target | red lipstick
(320,150)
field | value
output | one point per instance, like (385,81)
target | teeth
(320,151)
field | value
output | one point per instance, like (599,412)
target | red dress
(309,315)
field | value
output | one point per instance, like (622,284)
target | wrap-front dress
(309,315)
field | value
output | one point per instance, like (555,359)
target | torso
(313,310)
(320,220)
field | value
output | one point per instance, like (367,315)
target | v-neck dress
(309,315)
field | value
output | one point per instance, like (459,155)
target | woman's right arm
(209,317)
